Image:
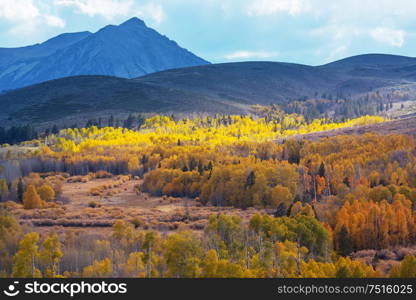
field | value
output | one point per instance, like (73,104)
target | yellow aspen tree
(50,254)
(210,264)
(25,259)
(99,269)
(31,198)
(135,266)
(46,193)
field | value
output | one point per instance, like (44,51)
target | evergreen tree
(111,121)
(55,129)
(20,190)
(344,242)
(251,179)
(321,171)
(129,123)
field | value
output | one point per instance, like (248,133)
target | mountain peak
(128,50)
(133,22)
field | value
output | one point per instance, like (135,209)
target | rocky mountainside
(129,50)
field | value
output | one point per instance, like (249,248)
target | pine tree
(55,129)
(281,210)
(129,123)
(111,121)
(251,179)
(321,171)
(20,190)
(344,242)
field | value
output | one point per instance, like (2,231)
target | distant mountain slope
(278,83)
(9,56)
(246,82)
(215,88)
(371,60)
(93,95)
(128,50)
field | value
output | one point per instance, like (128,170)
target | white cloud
(270,7)
(389,36)
(152,11)
(358,26)
(54,21)
(111,9)
(18,10)
(338,52)
(24,17)
(250,55)
(105,8)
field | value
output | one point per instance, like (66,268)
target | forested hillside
(225,196)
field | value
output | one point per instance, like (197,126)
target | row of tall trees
(265,248)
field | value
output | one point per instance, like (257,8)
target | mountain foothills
(352,87)
(129,50)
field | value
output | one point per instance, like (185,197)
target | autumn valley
(195,140)
(265,196)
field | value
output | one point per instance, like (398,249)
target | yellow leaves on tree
(320,185)
(301,209)
(31,198)
(123,233)
(10,234)
(133,164)
(99,269)
(281,195)
(210,264)
(406,269)
(26,257)
(135,266)
(182,255)
(377,225)
(342,268)
(212,267)
(46,193)
(288,258)
(51,254)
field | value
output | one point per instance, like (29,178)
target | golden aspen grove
(254,196)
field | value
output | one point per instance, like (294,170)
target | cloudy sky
(303,31)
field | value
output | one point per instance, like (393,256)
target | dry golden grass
(121,200)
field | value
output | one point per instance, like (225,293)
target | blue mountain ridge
(128,50)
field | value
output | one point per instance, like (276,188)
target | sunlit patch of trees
(325,199)
(265,248)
